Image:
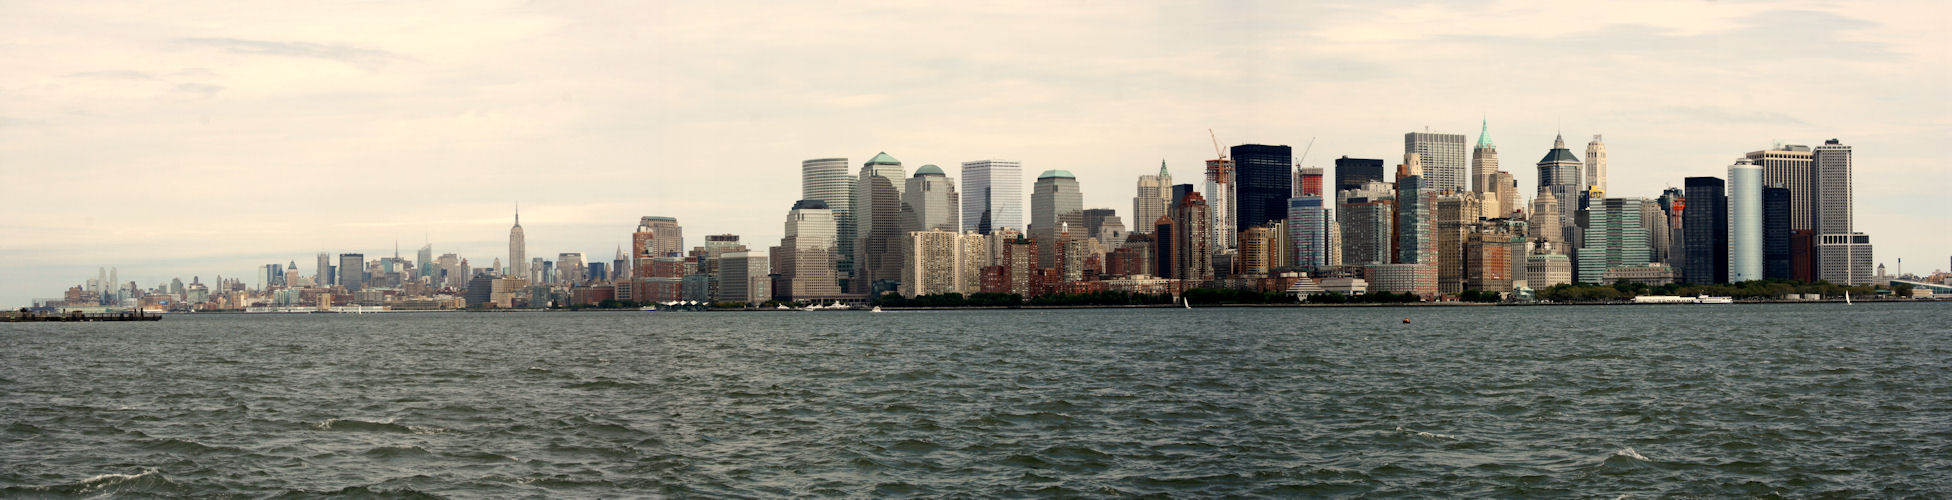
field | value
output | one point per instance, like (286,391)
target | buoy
(1406,321)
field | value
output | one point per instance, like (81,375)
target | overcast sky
(173,139)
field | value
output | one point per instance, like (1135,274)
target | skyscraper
(1559,172)
(1776,203)
(806,254)
(1193,244)
(827,180)
(1484,162)
(1056,206)
(352,271)
(1155,192)
(1843,255)
(1596,164)
(658,236)
(1262,183)
(877,209)
(1443,159)
(1352,173)
(1414,215)
(1744,221)
(1704,227)
(1219,198)
(424,262)
(1308,230)
(518,249)
(992,196)
(931,197)
(323,276)
(1614,238)
(1789,166)
(1367,217)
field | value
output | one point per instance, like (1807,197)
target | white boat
(1184,302)
(1704,299)
(876,309)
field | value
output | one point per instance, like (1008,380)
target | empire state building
(518,262)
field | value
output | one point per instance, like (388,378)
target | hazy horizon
(197,139)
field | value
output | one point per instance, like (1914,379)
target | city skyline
(173,159)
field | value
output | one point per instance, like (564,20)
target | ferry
(1704,299)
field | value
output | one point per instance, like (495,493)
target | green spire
(1162,168)
(1484,137)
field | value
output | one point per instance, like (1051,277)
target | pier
(32,317)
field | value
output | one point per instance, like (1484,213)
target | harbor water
(1586,401)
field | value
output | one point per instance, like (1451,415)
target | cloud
(203,89)
(114,75)
(362,57)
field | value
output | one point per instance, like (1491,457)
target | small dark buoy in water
(1406,321)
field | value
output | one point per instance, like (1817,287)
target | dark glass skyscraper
(1776,216)
(1704,228)
(1351,173)
(1263,182)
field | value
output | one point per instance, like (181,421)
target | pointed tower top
(1559,141)
(1484,136)
(1162,167)
(518,214)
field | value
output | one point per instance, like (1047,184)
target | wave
(147,482)
(1425,435)
(356,425)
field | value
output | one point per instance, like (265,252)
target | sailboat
(1184,302)
(1846,297)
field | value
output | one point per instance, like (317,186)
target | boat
(1704,299)
(1846,297)
(876,309)
(1184,302)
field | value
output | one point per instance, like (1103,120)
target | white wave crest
(1629,453)
(1422,434)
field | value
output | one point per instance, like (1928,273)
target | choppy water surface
(1803,400)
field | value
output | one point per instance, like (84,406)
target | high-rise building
(1105,225)
(1776,203)
(992,196)
(424,262)
(1484,162)
(352,271)
(1415,215)
(1456,218)
(807,254)
(1843,255)
(742,277)
(1367,217)
(1443,159)
(1788,166)
(1219,199)
(1560,172)
(827,180)
(1614,238)
(1308,232)
(1352,173)
(1505,188)
(1309,182)
(657,236)
(570,268)
(323,276)
(1744,221)
(931,197)
(1155,193)
(1193,244)
(930,263)
(877,210)
(1262,183)
(1596,164)
(1056,205)
(1654,219)
(1705,231)
(518,249)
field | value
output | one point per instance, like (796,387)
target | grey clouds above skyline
(198,138)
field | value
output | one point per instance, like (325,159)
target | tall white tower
(1744,221)
(1596,164)
(518,248)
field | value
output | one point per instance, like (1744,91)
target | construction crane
(1304,152)
(1219,155)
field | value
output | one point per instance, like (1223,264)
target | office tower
(877,210)
(322,276)
(655,237)
(931,197)
(1414,214)
(1262,184)
(992,197)
(1484,162)
(1671,203)
(1219,201)
(518,249)
(1055,205)
(1015,269)
(1543,270)
(1596,164)
(1705,231)
(1559,172)
(1744,221)
(1105,225)
(806,254)
(1308,222)
(1352,173)
(1776,203)
(423,263)
(570,268)
(1654,220)
(1155,193)
(620,268)
(1614,238)
(973,254)
(352,271)
(1367,217)
(1505,188)
(1442,157)
(827,180)
(1192,242)
(1788,166)
(1843,255)
(1309,182)
(742,277)
(1545,222)
(1456,217)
